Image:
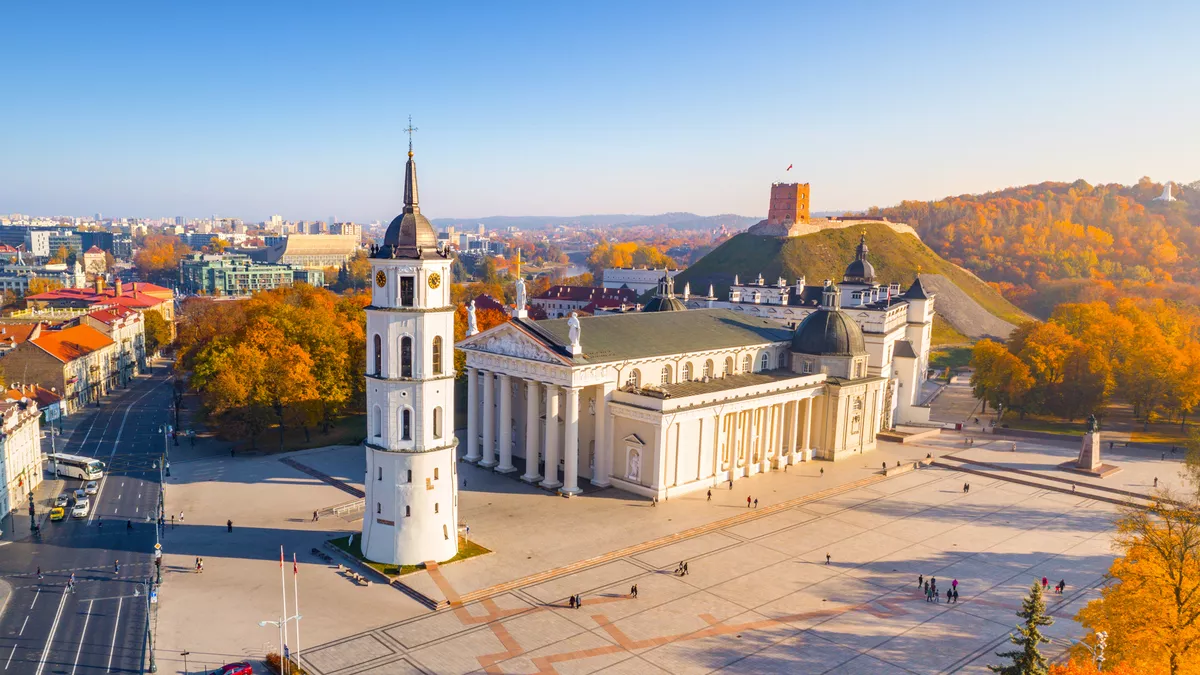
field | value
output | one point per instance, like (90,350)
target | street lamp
(1097,652)
(185,654)
(282,625)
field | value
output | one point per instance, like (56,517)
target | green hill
(825,254)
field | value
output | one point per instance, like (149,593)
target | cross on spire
(409,130)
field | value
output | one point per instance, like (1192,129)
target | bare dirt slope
(963,312)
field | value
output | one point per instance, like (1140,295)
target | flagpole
(296,598)
(283,627)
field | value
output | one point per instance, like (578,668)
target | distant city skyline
(647,108)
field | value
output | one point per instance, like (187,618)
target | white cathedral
(673,400)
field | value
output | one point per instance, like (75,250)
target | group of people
(750,501)
(199,564)
(966,487)
(1058,588)
(576,601)
(681,570)
(931,591)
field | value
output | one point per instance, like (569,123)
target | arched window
(407,511)
(406,356)
(378,355)
(410,475)
(381,473)
(445,533)
(435,507)
(747,363)
(437,355)
(665,378)
(728,367)
(766,362)
(437,424)
(634,379)
(378,507)
(406,425)
(435,473)
(708,368)
(687,372)
(377,422)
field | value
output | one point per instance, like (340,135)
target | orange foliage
(160,253)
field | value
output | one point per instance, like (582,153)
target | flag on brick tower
(789,168)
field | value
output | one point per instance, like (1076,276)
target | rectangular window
(435,507)
(435,473)
(407,291)
(410,475)
(381,473)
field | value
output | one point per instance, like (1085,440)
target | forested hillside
(1059,242)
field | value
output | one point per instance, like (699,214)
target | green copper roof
(637,335)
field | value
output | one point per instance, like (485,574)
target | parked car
(81,510)
(57,513)
(91,488)
(241,668)
(63,500)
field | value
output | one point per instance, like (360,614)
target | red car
(242,668)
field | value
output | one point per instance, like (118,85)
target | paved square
(759,597)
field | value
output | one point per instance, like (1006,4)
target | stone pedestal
(1089,454)
(1089,463)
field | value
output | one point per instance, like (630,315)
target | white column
(506,425)
(780,423)
(600,476)
(533,404)
(571,444)
(472,415)
(795,433)
(808,415)
(551,479)
(756,436)
(489,421)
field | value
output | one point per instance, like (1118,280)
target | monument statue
(1091,423)
(520,293)
(472,326)
(573,334)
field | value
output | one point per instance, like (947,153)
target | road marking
(22,631)
(35,597)
(120,431)
(10,655)
(50,636)
(116,623)
(82,634)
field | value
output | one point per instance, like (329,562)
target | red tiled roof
(5,248)
(13,334)
(108,315)
(94,249)
(485,301)
(43,396)
(589,294)
(68,344)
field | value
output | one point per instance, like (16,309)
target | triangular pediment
(509,340)
(634,439)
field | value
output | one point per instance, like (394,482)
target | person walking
(730,483)
(578,601)
(954,583)
(315,517)
(181,517)
(1062,586)
(1045,583)
(40,576)
(128,525)
(949,595)
(827,558)
(920,580)
(571,602)
(748,501)
(756,502)
(685,569)
(710,495)
(1156,481)
(956,596)
(229,526)
(822,472)
(964,487)
(635,590)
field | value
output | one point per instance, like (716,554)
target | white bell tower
(411,511)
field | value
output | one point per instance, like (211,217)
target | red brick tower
(789,204)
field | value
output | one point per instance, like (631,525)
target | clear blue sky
(248,109)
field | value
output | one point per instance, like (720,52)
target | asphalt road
(100,627)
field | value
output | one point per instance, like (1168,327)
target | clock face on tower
(435,280)
(380,279)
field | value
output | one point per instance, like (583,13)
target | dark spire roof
(410,235)
(916,291)
(860,271)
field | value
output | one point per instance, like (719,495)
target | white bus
(76,466)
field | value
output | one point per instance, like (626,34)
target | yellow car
(57,513)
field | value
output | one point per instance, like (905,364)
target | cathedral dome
(664,304)
(829,332)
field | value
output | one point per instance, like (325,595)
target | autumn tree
(40,285)
(158,331)
(159,254)
(1150,607)
(999,377)
(1087,666)
(626,254)
(484,319)
(1026,658)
